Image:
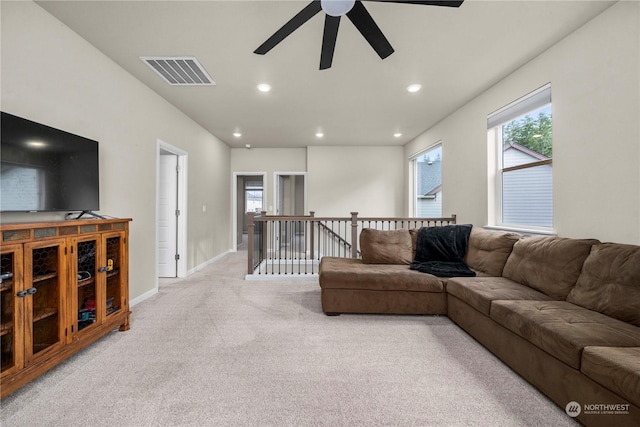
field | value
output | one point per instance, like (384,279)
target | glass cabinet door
(45,292)
(84,282)
(115,269)
(11,346)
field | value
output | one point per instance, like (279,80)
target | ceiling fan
(334,10)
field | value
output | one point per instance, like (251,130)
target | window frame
(523,106)
(413,179)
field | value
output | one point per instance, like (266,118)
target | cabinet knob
(32,291)
(103,269)
(21,294)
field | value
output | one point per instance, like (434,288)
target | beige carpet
(215,350)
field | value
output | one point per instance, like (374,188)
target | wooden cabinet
(64,285)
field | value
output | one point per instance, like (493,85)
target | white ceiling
(455,54)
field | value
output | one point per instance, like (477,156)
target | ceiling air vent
(179,70)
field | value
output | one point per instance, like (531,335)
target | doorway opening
(249,193)
(171,214)
(291,200)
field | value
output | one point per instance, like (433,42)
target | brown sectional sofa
(563,313)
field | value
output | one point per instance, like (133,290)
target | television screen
(46,169)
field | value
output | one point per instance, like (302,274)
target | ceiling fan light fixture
(337,7)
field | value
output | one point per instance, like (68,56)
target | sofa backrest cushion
(488,250)
(385,246)
(610,282)
(548,264)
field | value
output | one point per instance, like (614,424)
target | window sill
(522,230)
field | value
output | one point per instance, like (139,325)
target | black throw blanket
(440,251)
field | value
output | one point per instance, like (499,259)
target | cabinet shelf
(42,277)
(5,328)
(86,282)
(113,273)
(43,314)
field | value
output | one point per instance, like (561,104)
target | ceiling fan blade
(370,30)
(426,2)
(331,24)
(303,16)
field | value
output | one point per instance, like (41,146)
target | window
(253,196)
(521,137)
(427,183)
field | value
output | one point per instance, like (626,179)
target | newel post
(354,234)
(250,231)
(311,234)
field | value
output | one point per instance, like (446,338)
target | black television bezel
(62,135)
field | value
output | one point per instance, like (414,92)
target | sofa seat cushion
(549,264)
(488,250)
(348,273)
(563,329)
(479,292)
(616,368)
(610,282)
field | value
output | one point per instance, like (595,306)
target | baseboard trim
(206,263)
(143,297)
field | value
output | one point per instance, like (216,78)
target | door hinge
(71,329)
(177,257)
(177,168)
(65,332)
(65,250)
(177,212)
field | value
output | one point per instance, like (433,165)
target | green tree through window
(532,132)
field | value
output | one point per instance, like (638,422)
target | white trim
(422,152)
(183,187)
(277,188)
(413,176)
(143,297)
(208,262)
(234,203)
(521,106)
(523,230)
(280,277)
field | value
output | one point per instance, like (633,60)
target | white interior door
(167,216)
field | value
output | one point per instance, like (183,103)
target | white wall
(53,76)
(269,160)
(595,84)
(367,180)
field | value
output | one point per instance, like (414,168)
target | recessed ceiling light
(397,135)
(247,146)
(237,134)
(414,88)
(36,144)
(264,87)
(319,134)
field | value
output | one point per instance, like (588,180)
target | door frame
(181,241)
(276,187)
(234,202)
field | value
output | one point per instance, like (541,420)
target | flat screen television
(43,169)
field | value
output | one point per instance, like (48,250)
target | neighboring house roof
(525,150)
(429,177)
